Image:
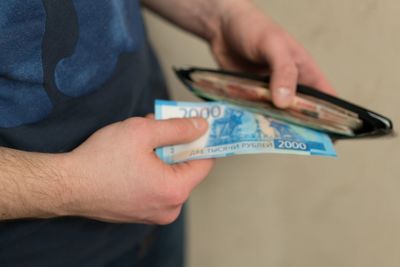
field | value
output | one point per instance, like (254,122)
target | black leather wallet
(373,124)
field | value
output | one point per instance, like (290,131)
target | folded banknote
(234,130)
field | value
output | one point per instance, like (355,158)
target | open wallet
(311,108)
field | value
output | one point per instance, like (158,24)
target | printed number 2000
(205,112)
(292,145)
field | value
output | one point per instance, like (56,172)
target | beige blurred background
(278,210)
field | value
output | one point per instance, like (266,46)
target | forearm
(32,185)
(200,17)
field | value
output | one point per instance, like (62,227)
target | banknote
(234,130)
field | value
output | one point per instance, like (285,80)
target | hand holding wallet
(311,108)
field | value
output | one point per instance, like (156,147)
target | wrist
(33,185)
(66,187)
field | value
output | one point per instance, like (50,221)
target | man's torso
(68,68)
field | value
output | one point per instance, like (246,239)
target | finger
(150,116)
(309,71)
(193,172)
(310,75)
(233,62)
(175,131)
(283,82)
(284,73)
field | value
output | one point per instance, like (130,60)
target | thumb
(283,84)
(176,131)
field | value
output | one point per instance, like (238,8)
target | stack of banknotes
(234,130)
(255,95)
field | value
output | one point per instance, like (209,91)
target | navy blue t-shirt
(68,68)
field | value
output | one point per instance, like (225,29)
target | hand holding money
(250,41)
(115,175)
(256,95)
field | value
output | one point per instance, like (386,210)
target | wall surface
(278,210)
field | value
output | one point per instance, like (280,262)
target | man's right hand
(116,176)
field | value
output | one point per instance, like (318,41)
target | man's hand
(118,177)
(113,176)
(247,40)
(243,38)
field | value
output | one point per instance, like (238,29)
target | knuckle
(178,197)
(137,124)
(168,217)
(175,196)
(273,39)
(300,59)
(183,126)
(288,69)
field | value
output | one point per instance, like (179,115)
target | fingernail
(284,95)
(198,123)
(284,92)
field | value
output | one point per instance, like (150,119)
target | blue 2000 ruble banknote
(234,130)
